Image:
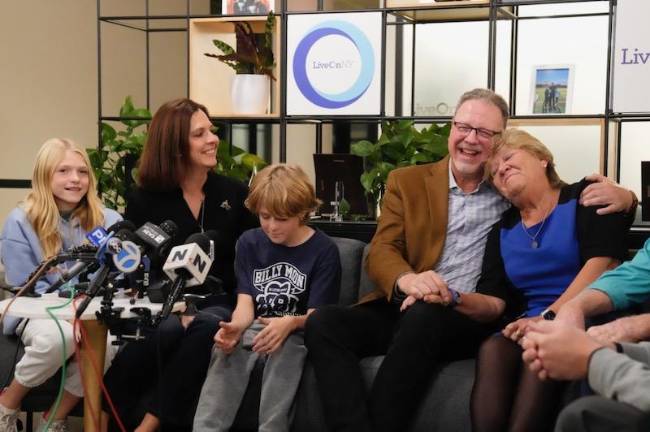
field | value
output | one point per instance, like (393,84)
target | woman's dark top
(223,211)
(532,278)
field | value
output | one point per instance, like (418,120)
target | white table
(35,307)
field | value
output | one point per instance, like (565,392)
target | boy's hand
(273,335)
(227,337)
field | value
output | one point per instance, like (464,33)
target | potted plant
(114,163)
(253,63)
(400,144)
(236,162)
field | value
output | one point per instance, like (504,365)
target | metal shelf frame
(391,16)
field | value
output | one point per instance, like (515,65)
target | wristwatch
(455,298)
(548,314)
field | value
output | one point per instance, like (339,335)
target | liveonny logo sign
(319,59)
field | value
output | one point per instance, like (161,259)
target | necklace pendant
(534,244)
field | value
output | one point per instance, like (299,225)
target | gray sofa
(446,405)
(445,408)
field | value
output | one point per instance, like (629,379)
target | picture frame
(246,7)
(551,90)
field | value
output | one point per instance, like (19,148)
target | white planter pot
(250,94)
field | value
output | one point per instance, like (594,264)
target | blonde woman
(545,249)
(56,215)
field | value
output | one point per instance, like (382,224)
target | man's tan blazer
(412,227)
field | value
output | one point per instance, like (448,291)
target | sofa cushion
(351,255)
(445,406)
(365,284)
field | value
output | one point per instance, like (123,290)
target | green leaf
(344,207)
(254,52)
(224,47)
(362,148)
(250,161)
(127,108)
(368,179)
(420,158)
(108,133)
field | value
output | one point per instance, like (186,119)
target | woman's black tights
(507,396)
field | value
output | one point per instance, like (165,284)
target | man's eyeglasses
(466,129)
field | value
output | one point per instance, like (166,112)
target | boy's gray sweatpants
(228,376)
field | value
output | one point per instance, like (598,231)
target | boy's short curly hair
(284,190)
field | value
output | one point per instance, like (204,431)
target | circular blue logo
(128,258)
(358,88)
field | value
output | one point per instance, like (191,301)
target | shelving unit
(208,79)
(460,10)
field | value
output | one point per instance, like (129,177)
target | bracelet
(455,298)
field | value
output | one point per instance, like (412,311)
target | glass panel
(329,5)
(301,145)
(168,67)
(502,63)
(563,9)
(168,7)
(122,8)
(545,43)
(120,45)
(407,69)
(452,58)
(634,150)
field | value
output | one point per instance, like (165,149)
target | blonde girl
(60,209)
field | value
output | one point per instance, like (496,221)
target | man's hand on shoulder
(425,286)
(606,192)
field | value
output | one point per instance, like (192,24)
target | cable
(59,396)
(36,275)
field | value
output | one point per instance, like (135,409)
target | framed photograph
(552,89)
(246,7)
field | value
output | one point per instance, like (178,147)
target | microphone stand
(71,273)
(93,288)
(174,294)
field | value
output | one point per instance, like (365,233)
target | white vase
(250,94)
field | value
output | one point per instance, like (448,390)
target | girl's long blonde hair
(40,206)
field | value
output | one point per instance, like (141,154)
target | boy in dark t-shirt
(284,270)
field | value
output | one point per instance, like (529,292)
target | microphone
(126,256)
(154,241)
(98,236)
(102,240)
(156,238)
(187,265)
(85,257)
(69,274)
